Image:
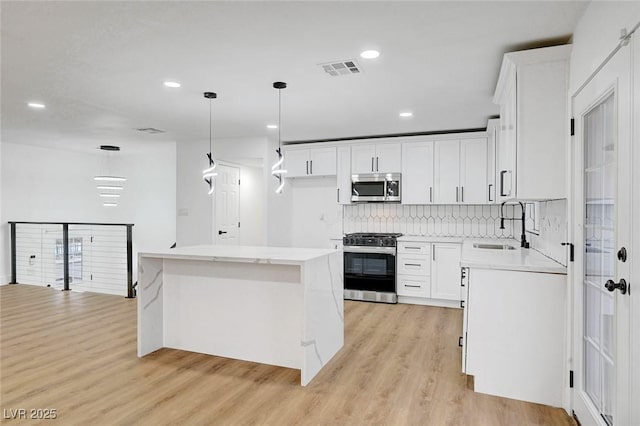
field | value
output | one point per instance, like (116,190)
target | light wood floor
(76,352)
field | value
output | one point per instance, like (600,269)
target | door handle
(222,232)
(612,285)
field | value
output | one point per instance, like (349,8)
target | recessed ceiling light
(110,204)
(172,84)
(107,195)
(406,114)
(114,187)
(370,54)
(272,126)
(35,105)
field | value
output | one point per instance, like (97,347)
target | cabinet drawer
(413,286)
(415,248)
(414,265)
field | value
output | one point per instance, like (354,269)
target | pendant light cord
(209,126)
(279,116)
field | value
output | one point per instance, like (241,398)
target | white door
(296,162)
(388,158)
(445,271)
(601,215)
(226,218)
(473,171)
(363,159)
(446,188)
(417,173)
(322,161)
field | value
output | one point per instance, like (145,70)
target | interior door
(602,213)
(226,218)
(447,172)
(473,171)
(417,169)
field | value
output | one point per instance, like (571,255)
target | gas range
(370,267)
(370,239)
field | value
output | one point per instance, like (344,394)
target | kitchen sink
(493,246)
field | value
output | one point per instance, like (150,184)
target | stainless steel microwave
(376,187)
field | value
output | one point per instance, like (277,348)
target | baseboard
(429,302)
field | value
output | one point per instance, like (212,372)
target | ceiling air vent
(151,130)
(338,68)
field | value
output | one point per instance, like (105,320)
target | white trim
(410,300)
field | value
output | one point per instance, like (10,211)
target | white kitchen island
(272,305)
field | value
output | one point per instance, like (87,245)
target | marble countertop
(429,239)
(528,260)
(247,254)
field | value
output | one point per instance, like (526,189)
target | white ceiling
(99,66)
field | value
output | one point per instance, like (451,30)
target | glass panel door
(600,174)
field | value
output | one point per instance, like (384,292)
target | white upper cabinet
(343,192)
(493,131)
(473,171)
(417,173)
(532,94)
(376,158)
(310,162)
(447,172)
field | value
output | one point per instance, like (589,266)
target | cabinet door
(322,161)
(363,159)
(417,173)
(445,271)
(506,178)
(296,161)
(343,195)
(473,171)
(493,130)
(388,158)
(447,172)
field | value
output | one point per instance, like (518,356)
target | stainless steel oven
(370,267)
(376,187)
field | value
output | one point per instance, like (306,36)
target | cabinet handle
(457,194)
(462,194)
(338,195)
(411,264)
(307,163)
(434,253)
(462,304)
(412,286)
(431,194)
(460,341)
(311,167)
(377,164)
(412,248)
(372,164)
(502,173)
(490,186)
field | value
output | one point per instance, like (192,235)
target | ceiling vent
(151,130)
(338,68)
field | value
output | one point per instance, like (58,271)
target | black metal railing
(105,254)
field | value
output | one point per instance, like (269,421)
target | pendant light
(276,169)
(208,174)
(109,185)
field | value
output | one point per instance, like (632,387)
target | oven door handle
(369,249)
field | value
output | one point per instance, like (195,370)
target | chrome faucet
(523,237)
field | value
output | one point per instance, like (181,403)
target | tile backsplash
(553,230)
(481,221)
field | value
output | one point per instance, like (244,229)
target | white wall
(195,207)
(597,34)
(41,184)
(5,273)
(252,202)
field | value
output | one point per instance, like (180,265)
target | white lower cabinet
(513,337)
(428,273)
(445,283)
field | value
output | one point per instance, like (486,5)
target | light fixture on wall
(108,184)
(276,170)
(209,173)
